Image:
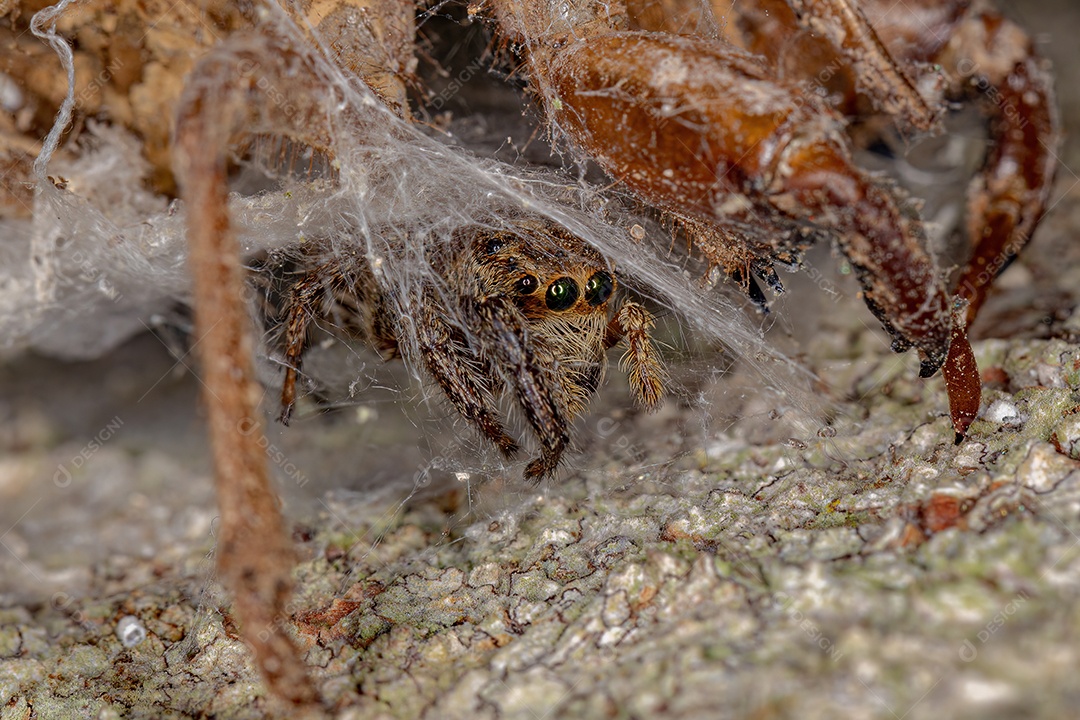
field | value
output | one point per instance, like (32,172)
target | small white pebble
(130,630)
(364,413)
(984,692)
(11,97)
(1003,412)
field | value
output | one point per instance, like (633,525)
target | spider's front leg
(465,378)
(508,346)
(640,362)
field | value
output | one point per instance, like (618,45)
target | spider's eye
(526,285)
(598,288)
(494,245)
(561,294)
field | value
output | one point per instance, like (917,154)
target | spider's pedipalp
(640,362)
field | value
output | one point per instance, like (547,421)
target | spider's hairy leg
(502,331)
(464,377)
(641,362)
(305,303)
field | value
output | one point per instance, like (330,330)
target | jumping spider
(735,120)
(528,310)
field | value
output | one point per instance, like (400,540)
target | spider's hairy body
(527,312)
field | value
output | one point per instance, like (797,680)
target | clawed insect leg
(1007,199)
(745,258)
(894,92)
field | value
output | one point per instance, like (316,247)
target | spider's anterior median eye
(598,288)
(526,285)
(561,294)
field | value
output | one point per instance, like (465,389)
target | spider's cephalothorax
(527,311)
